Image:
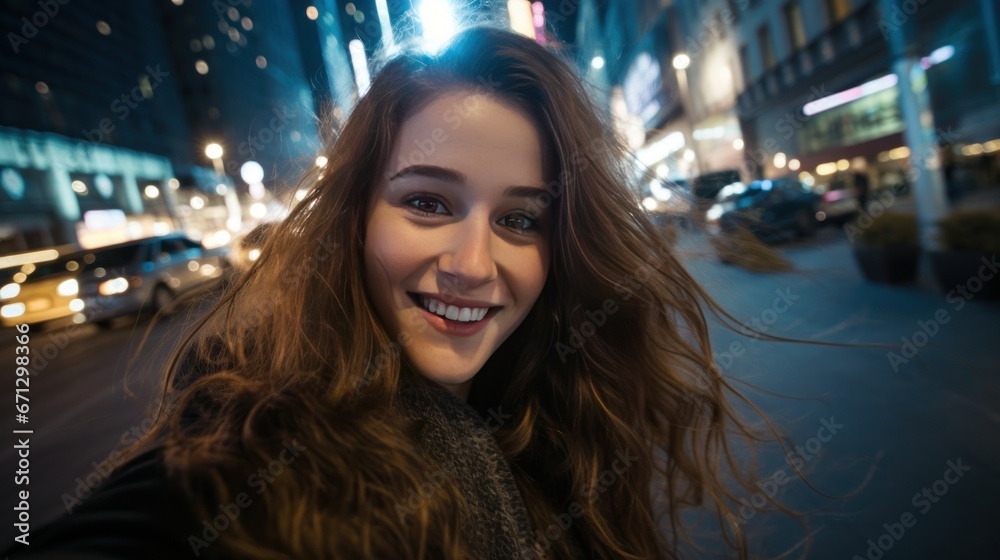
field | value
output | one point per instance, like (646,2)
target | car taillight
(833,196)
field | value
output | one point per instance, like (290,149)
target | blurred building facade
(107,112)
(89,121)
(778,87)
(821,99)
(652,108)
(243,85)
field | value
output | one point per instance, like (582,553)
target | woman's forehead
(473,133)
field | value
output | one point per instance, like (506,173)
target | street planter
(962,268)
(888,265)
(970,243)
(886,248)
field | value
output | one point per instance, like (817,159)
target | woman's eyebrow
(431,171)
(524,192)
(456,177)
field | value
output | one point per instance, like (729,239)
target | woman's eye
(426,205)
(519,222)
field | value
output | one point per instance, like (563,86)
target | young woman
(467,341)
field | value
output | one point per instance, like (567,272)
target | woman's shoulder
(137,513)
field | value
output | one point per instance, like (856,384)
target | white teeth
(452,312)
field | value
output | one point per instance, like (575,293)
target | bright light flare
(359,61)
(112,287)
(258,210)
(12,310)
(438,23)
(213,151)
(848,95)
(68,288)
(9,291)
(252,172)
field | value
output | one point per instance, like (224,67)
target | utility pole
(898,24)
(990,26)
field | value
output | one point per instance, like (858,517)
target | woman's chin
(453,378)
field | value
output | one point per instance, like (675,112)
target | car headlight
(714,213)
(112,287)
(9,291)
(68,288)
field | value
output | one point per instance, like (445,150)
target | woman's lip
(451,300)
(456,328)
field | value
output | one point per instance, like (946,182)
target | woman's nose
(469,262)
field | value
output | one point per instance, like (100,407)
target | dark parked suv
(768,208)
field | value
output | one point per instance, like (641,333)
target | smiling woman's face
(456,253)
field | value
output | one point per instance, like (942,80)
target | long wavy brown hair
(614,360)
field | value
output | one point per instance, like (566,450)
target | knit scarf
(454,435)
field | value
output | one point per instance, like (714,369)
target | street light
(252,172)
(235,219)
(213,151)
(680,63)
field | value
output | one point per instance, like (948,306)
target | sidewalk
(902,419)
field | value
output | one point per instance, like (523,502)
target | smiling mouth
(452,313)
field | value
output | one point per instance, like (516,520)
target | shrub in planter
(966,264)
(741,247)
(886,248)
